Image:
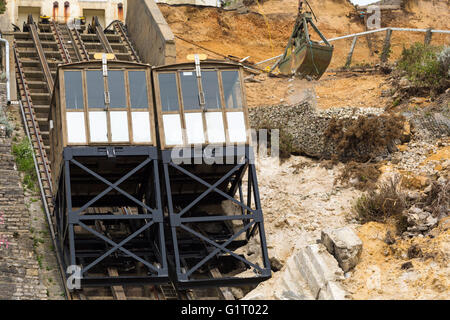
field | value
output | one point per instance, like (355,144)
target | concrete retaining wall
(150,33)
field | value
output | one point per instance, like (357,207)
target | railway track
(38,50)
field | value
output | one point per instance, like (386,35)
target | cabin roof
(91,63)
(190,64)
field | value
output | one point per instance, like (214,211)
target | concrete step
(294,285)
(321,272)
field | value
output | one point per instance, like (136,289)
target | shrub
(363,138)
(25,163)
(2,6)
(366,175)
(388,201)
(423,67)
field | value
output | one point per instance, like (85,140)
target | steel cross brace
(156,216)
(250,217)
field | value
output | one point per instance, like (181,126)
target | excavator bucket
(304,56)
(308,60)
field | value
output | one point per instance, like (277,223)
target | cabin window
(95,89)
(138,89)
(232,89)
(210,84)
(76,127)
(168,92)
(215,128)
(74,90)
(189,90)
(141,126)
(116,87)
(236,126)
(194,127)
(172,129)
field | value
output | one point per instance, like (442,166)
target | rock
(389,239)
(318,268)
(344,245)
(407,265)
(444,224)
(414,252)
(418,100)
(238,293)
(333,291)
(419,221)
(428,189)
(275,264)
(404,83)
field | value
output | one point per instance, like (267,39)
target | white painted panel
(194,128)
(215,127)
(172,129)
(141,127)
(119,126)
(97,126)
(76,127)
(236,127)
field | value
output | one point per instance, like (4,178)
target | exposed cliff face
(263,31)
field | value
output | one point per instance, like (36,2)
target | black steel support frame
(67,218)
(252,218)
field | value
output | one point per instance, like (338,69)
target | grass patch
(426,66)
(25,163)
(2,6)
(365,174)
(388,201)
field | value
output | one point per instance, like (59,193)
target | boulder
(344,245)
(419,220)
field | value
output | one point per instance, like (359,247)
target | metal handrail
(365,33)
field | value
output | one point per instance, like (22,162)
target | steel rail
(58,37)
(80,44)
(41,55)
(119,26)
(35,125)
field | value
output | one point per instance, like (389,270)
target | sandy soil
(263,33)
(300,199)
(332,90)
(379,274)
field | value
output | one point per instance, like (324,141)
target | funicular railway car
(108,210)
(204,138)
(153,175)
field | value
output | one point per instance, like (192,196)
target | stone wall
(151,35)
(305,124)
(19,268)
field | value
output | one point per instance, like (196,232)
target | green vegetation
(426,66)
(388,201)
(2,6)
(25,163)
